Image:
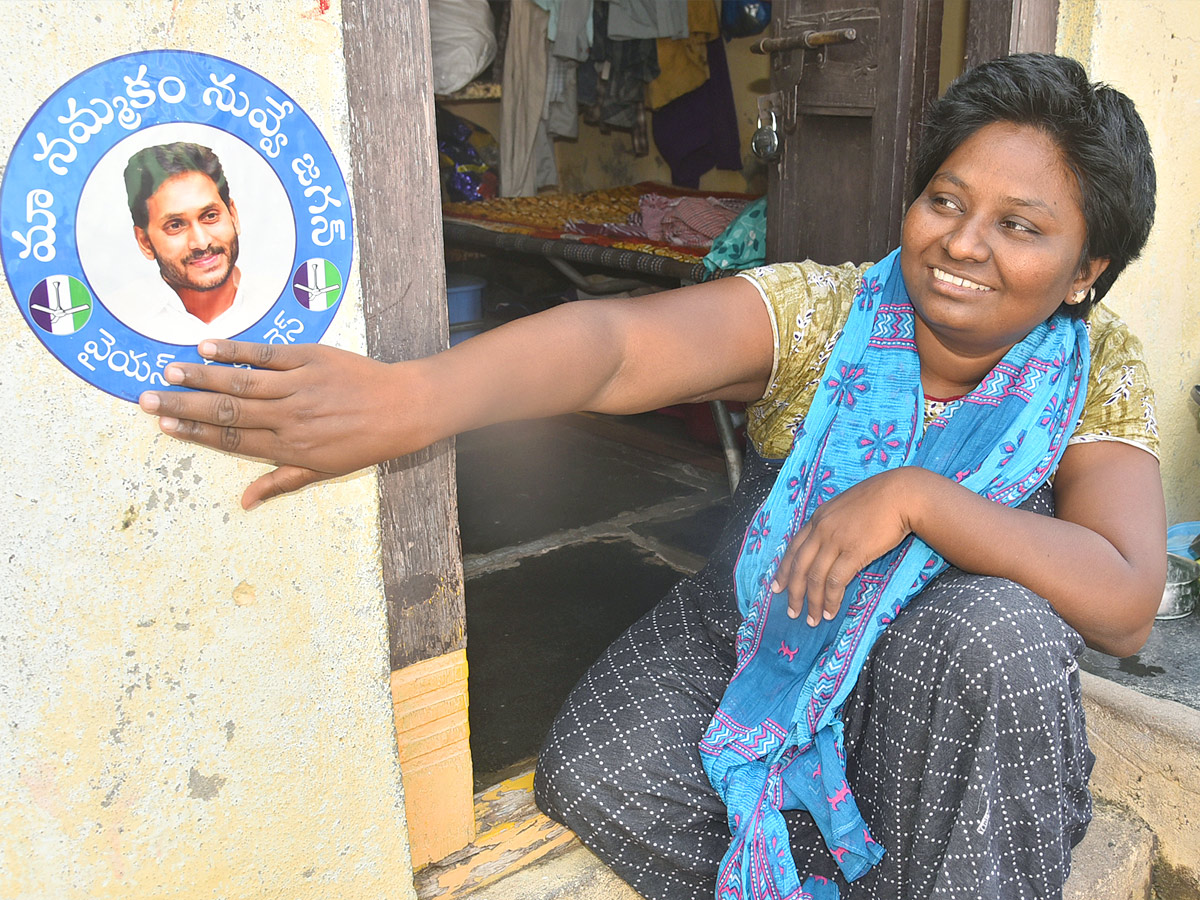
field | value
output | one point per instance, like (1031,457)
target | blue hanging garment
(742,18)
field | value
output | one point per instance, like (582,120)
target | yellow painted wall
(1146,48)
(195,700)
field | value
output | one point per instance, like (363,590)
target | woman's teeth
(954,279)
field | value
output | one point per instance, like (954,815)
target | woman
(963,736)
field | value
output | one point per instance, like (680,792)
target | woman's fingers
(843,536)
(225,395)
(826,581)
(815,574)
(268,380)
(793,571)
(263,380)
(261,356)
(231,424)
(280,481)
(216,420)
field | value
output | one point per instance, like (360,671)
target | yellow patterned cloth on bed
(549,216)
(809,302)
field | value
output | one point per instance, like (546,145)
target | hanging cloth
(683,62)
(775,741)
(570,35)
(526,152)
(699,130)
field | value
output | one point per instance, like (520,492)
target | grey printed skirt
(965,741)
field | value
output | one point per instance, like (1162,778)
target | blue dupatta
(775,741)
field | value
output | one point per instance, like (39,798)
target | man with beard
(184,219)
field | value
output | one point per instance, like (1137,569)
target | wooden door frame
(397,196)
(892,100)
(1000,27)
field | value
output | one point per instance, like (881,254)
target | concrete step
(1148,760)
(1113,862)
(574,873)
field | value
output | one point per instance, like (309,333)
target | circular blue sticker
(164,197)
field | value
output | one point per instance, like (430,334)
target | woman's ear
(1081,287)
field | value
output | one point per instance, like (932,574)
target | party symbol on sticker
(60,304)
(317,284)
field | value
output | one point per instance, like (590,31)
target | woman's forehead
(1021,162)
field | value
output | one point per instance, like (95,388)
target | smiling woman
(951,486)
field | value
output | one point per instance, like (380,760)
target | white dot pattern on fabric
(965,741)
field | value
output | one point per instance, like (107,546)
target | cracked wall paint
(1146,48)
(195,699)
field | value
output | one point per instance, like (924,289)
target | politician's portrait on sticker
(164,197)
(186,233)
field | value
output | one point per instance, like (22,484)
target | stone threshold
(511,834)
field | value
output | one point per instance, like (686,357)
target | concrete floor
(1165,668)
(568,537)
(573,527)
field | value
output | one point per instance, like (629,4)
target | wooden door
(848,114)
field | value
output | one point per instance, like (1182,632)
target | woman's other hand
(315,411)
(839,540)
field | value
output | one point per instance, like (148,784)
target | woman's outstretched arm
(319,412)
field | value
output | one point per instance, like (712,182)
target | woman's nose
(966,240)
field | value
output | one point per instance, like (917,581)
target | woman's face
(992,246)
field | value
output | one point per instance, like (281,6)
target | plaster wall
(195,699)
(1146,48)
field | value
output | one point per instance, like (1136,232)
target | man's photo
(207,237)
(185,221)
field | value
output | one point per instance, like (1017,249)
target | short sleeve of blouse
(1120,401)
(808,304)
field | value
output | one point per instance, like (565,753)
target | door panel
(847,113)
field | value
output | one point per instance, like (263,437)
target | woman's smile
(947,279)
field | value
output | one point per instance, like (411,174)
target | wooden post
(397,199)
(1000,27)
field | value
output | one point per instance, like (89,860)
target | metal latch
(808,40)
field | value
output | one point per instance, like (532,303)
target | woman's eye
(1021,227)
(945,203)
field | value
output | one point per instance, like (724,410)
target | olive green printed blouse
(808,305)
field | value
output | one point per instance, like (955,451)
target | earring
(1078,296)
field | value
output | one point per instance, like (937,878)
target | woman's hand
(315,411)
(318,412)
(1098,560)
(841,538)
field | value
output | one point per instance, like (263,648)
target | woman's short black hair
(1096,127)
